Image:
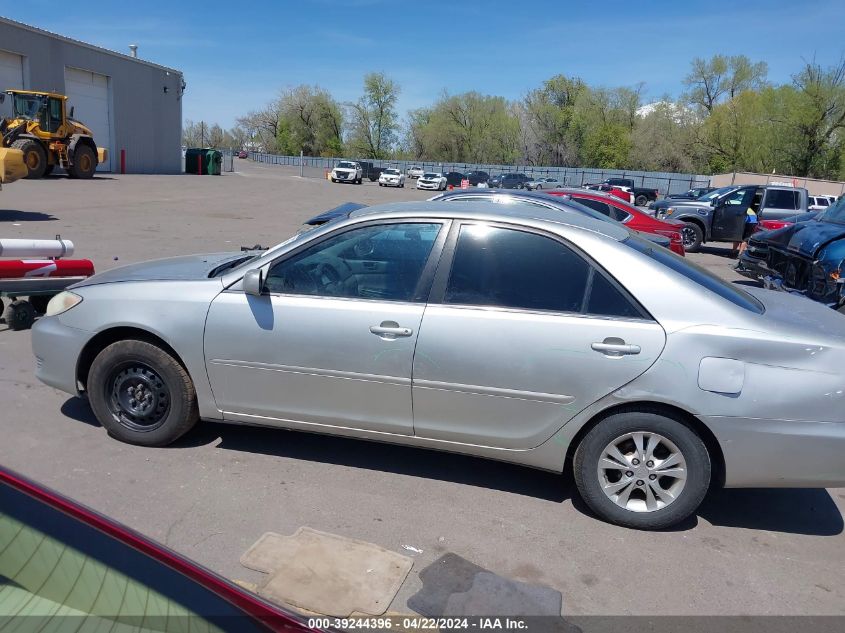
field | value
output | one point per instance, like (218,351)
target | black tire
(133,364)
(692,449)
(692,236)
(34,157)
(641,200)
(84,162)
(20,315)
(39,302)
(334,180)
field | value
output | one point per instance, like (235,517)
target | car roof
(494,211)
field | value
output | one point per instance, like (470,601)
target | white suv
(347,171)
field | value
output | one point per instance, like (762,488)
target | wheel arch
(714,450)
(112,335)
(691,219)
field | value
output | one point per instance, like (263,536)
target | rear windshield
(696,273)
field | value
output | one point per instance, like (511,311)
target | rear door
(521,333)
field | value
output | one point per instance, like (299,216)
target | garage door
(88,94)
(11,76)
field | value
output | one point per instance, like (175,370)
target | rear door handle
(390,330)
(615,349)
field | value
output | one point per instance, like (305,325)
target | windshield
(716,193)
(430,175)
(346,165)
(27,106)
(835,212)
(391,172)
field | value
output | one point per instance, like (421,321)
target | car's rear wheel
(642,470)
(641,200)
(141,394)
(692,236)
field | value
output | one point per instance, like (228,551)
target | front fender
(174,311)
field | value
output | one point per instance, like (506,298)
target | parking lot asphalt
(215,492)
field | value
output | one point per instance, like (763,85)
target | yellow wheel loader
(48,136)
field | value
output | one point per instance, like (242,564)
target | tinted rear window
(697,274)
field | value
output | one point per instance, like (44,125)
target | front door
(522,333)
(331,340)
(729,216)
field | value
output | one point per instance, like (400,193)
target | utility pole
(202,133)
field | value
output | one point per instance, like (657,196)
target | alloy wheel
(642,471)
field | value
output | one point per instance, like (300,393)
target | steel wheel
(138,397)
(642,471)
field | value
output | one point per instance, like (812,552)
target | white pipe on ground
(35,248)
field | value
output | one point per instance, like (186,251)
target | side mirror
(253,282)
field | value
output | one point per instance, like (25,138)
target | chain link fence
(664,182)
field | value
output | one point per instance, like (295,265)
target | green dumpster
(203,161)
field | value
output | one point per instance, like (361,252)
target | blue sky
(237,56)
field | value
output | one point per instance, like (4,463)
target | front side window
(509,268)
(374,262)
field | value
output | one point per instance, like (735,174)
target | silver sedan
(521,334)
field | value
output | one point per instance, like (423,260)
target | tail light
(674,236)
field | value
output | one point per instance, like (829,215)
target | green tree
(374,121)
(549,113)
(720,76)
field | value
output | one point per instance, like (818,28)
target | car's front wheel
(692,236)
(642,470)
(141,394)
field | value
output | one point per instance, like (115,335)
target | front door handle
(615,347)
(390,330)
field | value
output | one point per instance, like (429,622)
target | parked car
(391,178)
(432,181)
(806,257)
(477,178)
(347,171)
(616,209)
(370,171)
(565,204)
(454,178)
(67,567)
(242,154)
(544,182)
(623,193)
(720,215)
(593,349)
(415,172)
(642,195)
(693,194)
(819,203)
(509,181)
